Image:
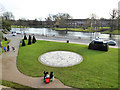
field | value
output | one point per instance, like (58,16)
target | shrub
(5,39)
(23,43)
(67,41)
(34,40)
(98,46)
(29,40)
(25,38)
(0,44)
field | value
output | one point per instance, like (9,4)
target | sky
(78,9)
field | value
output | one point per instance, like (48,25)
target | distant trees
(6,17)
(93,21)
(6,25)
(113,17)
(60,19)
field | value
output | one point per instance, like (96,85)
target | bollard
(67,41)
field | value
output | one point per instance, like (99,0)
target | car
(99,45)
(18,32)
(14,34)
(112,42)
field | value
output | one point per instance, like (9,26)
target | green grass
(14,85)
(113,32)
(4,44)
(14,26)
(80,29)
(104,27)
(99,69)
(72,29)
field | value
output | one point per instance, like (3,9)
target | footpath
(11,73)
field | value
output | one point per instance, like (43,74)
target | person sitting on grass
(51,76)
(47,78)
(47,75)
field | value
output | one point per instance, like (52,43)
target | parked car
(14,34)
(112,42)
(98,45)
(18,32)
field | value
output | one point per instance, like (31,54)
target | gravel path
(11,73)
(60,58)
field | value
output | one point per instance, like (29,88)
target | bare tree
(93,20)
(8,16)
(62,19)
(113,15)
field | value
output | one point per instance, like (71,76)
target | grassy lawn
(14,85)
(99,69)
(113,32)
(4,44)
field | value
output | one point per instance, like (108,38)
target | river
(69,34)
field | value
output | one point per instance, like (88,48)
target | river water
(69,34)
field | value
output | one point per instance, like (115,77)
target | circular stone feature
(60,58)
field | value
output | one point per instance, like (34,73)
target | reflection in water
(63,33)
(82,35)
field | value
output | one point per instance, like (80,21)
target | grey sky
(32,9)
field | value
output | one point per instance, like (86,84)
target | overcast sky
(78,9)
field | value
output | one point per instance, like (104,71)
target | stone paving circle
(60,58)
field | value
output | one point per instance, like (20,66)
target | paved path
(11,73)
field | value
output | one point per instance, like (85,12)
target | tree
(113,15)
(34,40)
(25,38)
(8,16)
(29,40)
(62,19)
(5,39)
(6,25)
(23,43)
(93,20)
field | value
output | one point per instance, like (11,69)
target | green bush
(25,38)
(34,40)
(5,39)
(23,43)
(98,46)
(29,40)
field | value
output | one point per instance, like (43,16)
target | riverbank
(115,32)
